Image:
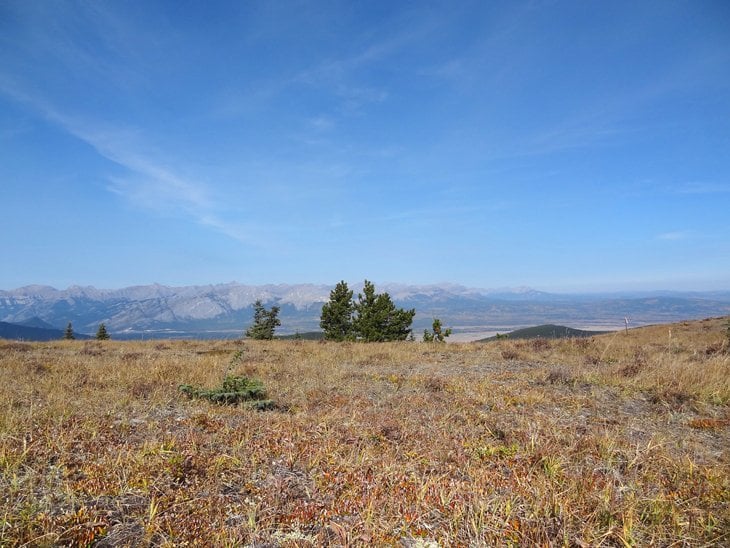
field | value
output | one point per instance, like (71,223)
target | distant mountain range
(225,310)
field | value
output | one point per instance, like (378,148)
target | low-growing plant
(496,451)
(234,390)
(510,354)
(559,375)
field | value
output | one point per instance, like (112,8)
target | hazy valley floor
(622,439)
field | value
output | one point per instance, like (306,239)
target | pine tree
(69,333)
(264,322)
(336,318)
(378,319)
(101,333)
(437,334)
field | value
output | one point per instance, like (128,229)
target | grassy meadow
(621,439)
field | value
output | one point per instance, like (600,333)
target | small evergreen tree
(336,318)
(264,322)
(437,333)
(69,333)
(378,319)
(101,333)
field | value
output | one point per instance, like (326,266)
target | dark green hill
(548,331)
(15,331)
(306,336)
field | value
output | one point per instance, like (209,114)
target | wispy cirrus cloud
(93,55)
(149,183)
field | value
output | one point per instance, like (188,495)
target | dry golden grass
(618,440)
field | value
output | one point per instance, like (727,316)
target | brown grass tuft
(511,354)
(709,423)
(14,346)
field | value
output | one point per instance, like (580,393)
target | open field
(617,440)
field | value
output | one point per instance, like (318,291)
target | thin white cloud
(407,219)
(321,123)
(702,188)
(149,181)
(342,75)
(337,76)
(677,235)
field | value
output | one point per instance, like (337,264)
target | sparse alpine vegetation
(615,440)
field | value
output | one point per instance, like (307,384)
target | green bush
(235,390)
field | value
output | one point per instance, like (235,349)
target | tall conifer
(336,318)
(264,322)
(101,333)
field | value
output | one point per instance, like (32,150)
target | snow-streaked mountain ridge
(225,309)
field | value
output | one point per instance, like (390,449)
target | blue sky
(560,145)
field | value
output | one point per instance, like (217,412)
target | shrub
(235,389)
(437,334)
